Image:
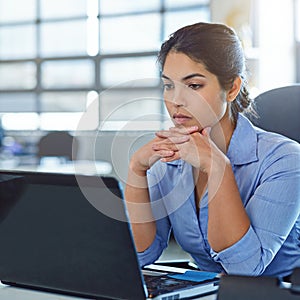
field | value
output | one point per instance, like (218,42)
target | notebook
(55,239)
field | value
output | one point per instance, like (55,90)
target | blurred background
(69,65)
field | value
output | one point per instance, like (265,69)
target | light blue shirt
(267,171)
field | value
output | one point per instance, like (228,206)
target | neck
(222,132)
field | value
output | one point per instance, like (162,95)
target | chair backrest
(58,143)
(234,287)
(279,111)
(295,279)
(296,276)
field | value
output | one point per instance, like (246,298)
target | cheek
(209,111)
(168,104)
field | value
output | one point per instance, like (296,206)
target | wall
(266,29)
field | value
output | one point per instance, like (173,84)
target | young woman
(229,191)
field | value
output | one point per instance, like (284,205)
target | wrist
(218,165)
(137,168)
(137,176)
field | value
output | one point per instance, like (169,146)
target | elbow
(254,265)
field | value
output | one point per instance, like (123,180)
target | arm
(273,209)
(227,219)
(138,205)
(137,193)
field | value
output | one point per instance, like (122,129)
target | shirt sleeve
(153,252)
(163,226)
(273,211)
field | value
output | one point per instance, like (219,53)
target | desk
(83,167)
(13,293)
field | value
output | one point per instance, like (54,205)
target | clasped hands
(183,143)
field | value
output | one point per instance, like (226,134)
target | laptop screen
(54,238)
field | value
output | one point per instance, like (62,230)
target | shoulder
(276,146)
(278,158)
(253,144)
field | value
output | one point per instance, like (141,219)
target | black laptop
(55,239)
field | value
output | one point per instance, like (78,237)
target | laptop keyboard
(157,285)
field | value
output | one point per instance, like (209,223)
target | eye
(168,86)
(195,86)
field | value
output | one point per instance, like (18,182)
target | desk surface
(84,167)
(13,293)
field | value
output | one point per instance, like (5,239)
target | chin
(189,124)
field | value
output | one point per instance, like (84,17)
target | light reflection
(20,121)
(92,47)
(92,8)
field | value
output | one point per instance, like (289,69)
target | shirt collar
(243,144)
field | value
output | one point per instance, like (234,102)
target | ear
(235,89)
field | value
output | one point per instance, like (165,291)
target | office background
(89,66)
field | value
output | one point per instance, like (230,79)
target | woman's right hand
(145,157)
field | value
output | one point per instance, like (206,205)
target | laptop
(55,239)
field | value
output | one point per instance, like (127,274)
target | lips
(181,118)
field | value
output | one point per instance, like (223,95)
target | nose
(179,96)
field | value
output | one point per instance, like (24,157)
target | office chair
(235,287)
(295,279)
(279,111)
(58,144)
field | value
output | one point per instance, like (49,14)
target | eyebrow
(186,77)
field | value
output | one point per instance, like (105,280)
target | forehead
(178,65)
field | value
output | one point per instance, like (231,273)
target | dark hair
(217,47)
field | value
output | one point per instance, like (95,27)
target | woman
(229,191)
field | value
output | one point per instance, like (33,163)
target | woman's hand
(146,156)
(188,144)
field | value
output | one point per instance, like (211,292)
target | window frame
(96,60)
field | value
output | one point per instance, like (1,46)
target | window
(277,55)
(58,57)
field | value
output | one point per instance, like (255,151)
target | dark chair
(295,279)
(279,111)
(59,144)
(253,288)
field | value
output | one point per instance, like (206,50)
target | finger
(176,156)
(173,138)
(206,131)
(167,147)
(165,153)
(184,130)
(179,139)
(177,130)
(171,142)
(165,133)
